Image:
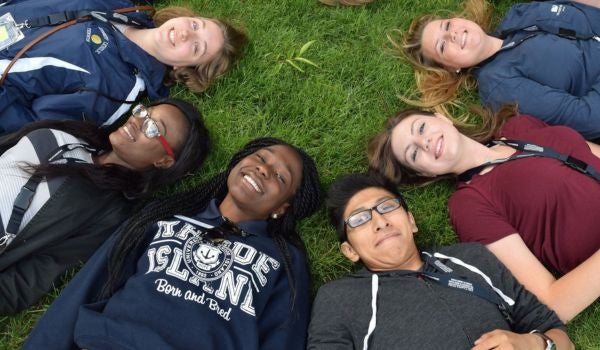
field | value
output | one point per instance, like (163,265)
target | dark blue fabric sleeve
(55,329)
(280,326)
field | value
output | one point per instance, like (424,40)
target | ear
(349,252)
(413,224)
(443,117)
(281,210)
(164,163)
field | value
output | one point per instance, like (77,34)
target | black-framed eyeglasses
(383,207)
(218,234)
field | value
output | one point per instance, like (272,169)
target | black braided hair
(304,202)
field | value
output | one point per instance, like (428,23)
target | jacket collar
(213,216)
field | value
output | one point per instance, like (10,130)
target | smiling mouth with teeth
(172,36)
(252,183)
(438,147)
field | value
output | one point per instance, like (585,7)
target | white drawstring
(372,323)
(457,261)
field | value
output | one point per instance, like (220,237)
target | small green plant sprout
(295,59)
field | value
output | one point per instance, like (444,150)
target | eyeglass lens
(149,127)
(364,216)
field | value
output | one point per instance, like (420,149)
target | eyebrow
(412,132)
(437,42)
(164,127)
(204,46)
(378,201)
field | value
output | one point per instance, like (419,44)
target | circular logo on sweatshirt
(96,39)
(206,260)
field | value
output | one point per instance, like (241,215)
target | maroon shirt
(554,208)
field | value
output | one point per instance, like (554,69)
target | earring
(274,216)
(458,71)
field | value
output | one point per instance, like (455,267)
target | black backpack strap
(567,33)
(25,196)
(21,204)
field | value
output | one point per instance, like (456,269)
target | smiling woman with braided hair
(221,265)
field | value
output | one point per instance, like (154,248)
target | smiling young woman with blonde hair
(99,67)
(542,57)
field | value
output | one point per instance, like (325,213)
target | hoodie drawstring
(373,322)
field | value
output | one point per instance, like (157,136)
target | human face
(384,243)
(429,145)
(134,150)
(188,41)
(262,183)
(454,43)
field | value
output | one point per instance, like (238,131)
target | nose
(264,170)
(451,35)
(183,34)
(379,221)
(137,122)
(424,142)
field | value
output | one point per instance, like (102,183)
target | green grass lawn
(330,110)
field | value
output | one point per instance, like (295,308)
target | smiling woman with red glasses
(222,264)
(66,185)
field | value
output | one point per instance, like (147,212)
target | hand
(506,340)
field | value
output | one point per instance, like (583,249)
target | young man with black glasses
(456,297)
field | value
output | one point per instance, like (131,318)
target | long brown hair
(200,77)
(383,161)
(437,86)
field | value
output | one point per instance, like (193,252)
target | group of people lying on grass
(222,265)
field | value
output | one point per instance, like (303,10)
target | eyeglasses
(217,234)
(150,129)
(364,216)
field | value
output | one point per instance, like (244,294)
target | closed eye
(281,178)
(447,26)
(414,154)
(442,47)
(261,158)
(195,48)
(194,25)
(422,128)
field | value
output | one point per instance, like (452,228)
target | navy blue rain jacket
(550,77)
(85,71)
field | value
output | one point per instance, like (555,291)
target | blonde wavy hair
(345,2)
(438,87)
(382,159)
(200,77)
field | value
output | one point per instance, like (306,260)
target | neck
(475,154)
(493,45)
(110,158)
(230,210)
(412,263)
(141,37)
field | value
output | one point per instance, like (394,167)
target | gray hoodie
(400,310)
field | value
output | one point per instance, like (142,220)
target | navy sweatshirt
(185,293)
